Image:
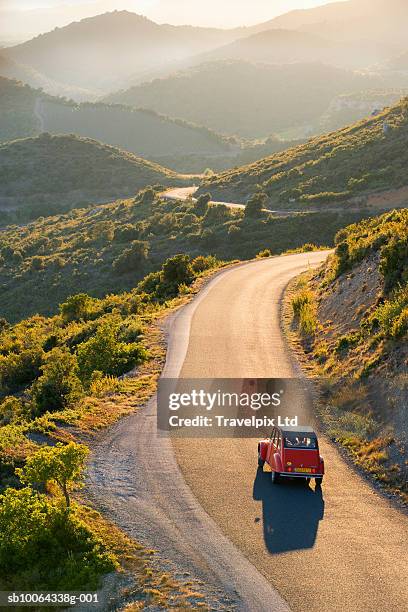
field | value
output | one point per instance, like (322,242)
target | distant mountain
(250,100)
(350,165)
(28,75)
(278,46)
(99,52)
(50,174)
(380,21)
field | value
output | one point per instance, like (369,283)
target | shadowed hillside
(181,145)
(29,76)
(251,100)
(362,159)
(54,173)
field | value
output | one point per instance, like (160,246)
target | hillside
(49,174)
(350,108)
(17,110)
(364,158)
(100,52)
(382,22)
(29,76)
(185,147)
(279,46)
(287,96)
(109,248)
(358,307)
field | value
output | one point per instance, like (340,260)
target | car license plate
(306,470)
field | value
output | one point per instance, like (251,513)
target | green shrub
(106,353)
(347,341)
(307,319)
(391,316)
(202,263)
(59,386)
(78,307)
(302,297)
(176,270)
(43,547)
(132,258)
(12,410)
(126,233)
(263,254)
(18,369)
(217,214)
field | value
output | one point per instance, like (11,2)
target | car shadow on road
(291,512)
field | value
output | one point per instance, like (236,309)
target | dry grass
(341,366)
(140,582)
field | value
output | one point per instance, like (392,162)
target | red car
(292,452)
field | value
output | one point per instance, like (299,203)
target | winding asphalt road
(182,193)
(204,505)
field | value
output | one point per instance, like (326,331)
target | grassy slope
(220,95)
(58,256)
(53,173)
(355,328)
(351,162)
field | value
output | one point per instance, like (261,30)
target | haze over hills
(251,100)
(104,50)
(279,46)
(380,21)
(29,76)
(399,63)
(50,174)
(186,147)
(347,167)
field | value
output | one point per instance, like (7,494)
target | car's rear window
(300,440)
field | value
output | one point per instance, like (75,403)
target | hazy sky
(33,16)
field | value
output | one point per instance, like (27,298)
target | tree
(63,465)
(255,205)
(201,205)
(59,386)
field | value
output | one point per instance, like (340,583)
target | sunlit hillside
(367,157)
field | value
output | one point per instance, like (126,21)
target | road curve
(266,548)
(182,193)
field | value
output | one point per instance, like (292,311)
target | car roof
(298,429)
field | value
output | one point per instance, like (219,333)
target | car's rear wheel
(319,481)
(275,477)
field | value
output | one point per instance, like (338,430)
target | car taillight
(288,463)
